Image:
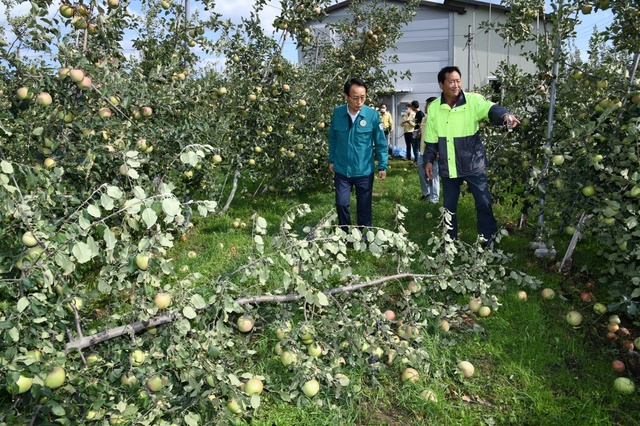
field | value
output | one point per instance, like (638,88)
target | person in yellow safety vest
(453,133)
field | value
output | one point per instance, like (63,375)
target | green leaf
(37,131)
(255,401)
(198,301)
(23,303)
(114,192)
(150,217)
(192,419)
(189,313)
(94,210)
(322,299)
(14,334)
(6,167)
(110,239)
(171,206)
(82,252)
(106,202)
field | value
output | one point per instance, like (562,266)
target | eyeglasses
(358,98)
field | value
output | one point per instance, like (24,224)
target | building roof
(441,6)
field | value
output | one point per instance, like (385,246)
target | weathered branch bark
(122,330)
(136,327)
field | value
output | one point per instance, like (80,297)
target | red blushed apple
(589,286)
(613,327)
(586,296)
(618,366)
(612,336)
(624,332)
(628,345)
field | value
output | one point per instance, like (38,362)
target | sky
(236,9)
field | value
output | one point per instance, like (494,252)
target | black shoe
(424,198)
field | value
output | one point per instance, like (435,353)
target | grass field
(531,367)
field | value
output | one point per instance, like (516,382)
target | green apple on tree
(142,261)
(311,388)
(253,386)
(55,378)
(22,385)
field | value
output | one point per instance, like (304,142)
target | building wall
(434,39)
(487,49)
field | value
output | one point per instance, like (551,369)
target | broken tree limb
(138,326)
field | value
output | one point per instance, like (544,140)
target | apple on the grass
(624,385)
(389,315)
(548,294)
(618,366)
(574,318)
(475,304)
(599,308)
(311,388)
(104,112)
(484,311)
(410,375)
(466,368)
(522,295)
(245,323)
(162,300)
(444,325)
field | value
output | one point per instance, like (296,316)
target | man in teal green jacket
(453,132)
(355,138)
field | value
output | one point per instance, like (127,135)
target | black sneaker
(424,198)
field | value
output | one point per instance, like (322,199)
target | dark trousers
(364,191)
(386,137)
(487,226)
(408,139)
(416,148)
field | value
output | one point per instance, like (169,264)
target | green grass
(531,367)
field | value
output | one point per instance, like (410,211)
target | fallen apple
(390,315)
(599,308)
(245,323)
(444,325)
(466,368)
(162,300)
(574,318)
(548,294)
(475,304)
(428,395)
(618,366)
(410,375)
(522,295)
(484,311)
(624,385)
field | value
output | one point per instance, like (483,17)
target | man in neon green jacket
(355,137)
(453,132)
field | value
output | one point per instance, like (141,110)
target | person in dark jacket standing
(453,133)
(417,134)
(355,137)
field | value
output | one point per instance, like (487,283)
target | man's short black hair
(442,75)
(415,104)
(431,99)
(354,81)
